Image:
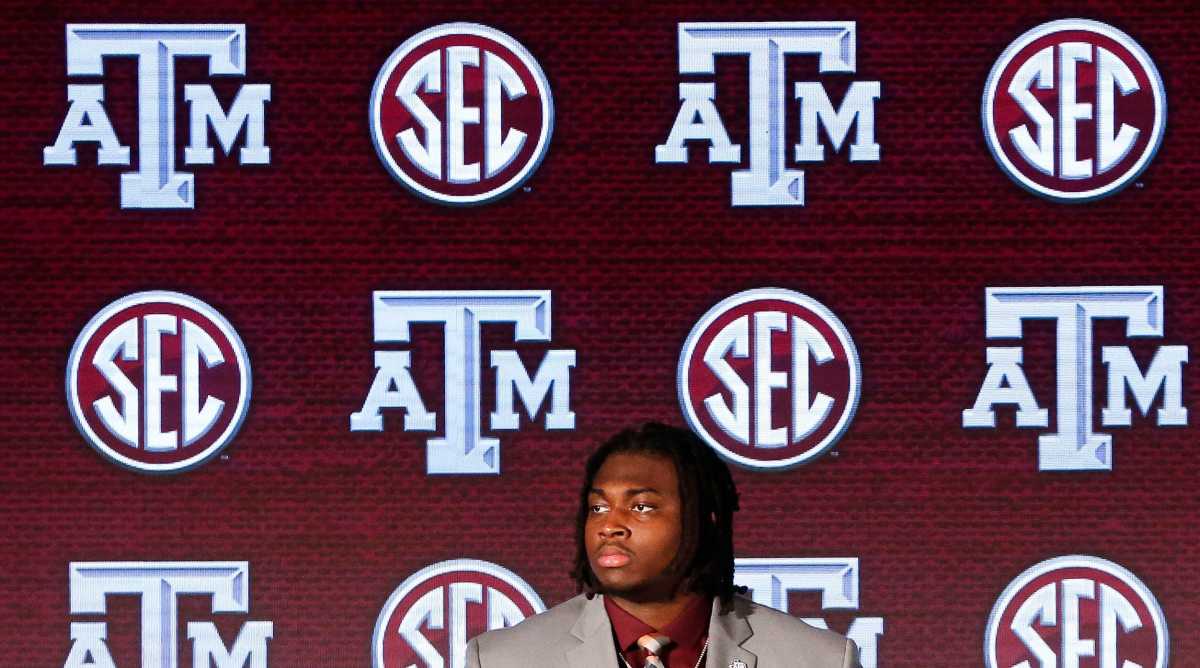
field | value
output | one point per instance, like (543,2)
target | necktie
(653,644)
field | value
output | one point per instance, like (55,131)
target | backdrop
(331,521)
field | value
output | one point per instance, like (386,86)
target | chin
(638,592)
(618,586)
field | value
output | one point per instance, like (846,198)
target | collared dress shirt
(687,632)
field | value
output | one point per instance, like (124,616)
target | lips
(611,556)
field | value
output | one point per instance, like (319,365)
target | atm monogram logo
(771,176)
(159,586)
(463,447)
(157,183)
(1074,444)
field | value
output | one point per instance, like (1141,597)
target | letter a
(87,104)
(1005,384)
(88,649)
(698,120)
(393,366)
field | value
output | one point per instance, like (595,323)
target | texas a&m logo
(461,314)
(1074,446)
(156,184)
(1076,611)
(1074,110)
(461,114)
(160,585)
(430,617)
(158,382)
(769,378)
(770,581)
(768,180)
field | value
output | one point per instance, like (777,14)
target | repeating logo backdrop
(256,188)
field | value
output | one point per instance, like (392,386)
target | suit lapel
(594,632)
(726,633)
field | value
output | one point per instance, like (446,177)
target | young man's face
(634,526)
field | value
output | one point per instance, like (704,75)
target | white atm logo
(159,585)
(835,579)
(156,184)
(769,181)
(1074,446)
(464,449)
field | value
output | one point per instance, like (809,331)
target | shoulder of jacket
(781,630)
(555,622)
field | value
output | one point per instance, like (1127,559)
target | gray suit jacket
(577,634)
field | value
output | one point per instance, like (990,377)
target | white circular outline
(1163,644)
(478,30)
(1156,86)
(803,301)
(442,568)
(178,299)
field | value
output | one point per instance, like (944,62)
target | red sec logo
(461,114)
(158,382)
(430,617)
(1076,611)
(1074,110)
(769,378)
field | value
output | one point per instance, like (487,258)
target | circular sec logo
(1074,110)
(158,382)
(461,114)
(1077,607)
(430,617)
(769,378)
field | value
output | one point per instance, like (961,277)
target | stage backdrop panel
(309,266)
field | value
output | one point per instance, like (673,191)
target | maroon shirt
(688,632)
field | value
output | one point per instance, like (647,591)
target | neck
(656,613)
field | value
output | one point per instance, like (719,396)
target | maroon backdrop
(332,521)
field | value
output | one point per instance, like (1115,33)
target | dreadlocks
(708,498)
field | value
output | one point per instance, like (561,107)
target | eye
(597,508)
(642,507)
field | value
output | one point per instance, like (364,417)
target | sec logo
(430,617)
(769,378)
(461,114)
(1074,110)
(1077,607)
(158,382)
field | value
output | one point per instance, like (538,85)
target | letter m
(248,110)
(1165,374)
(858,108)
(250,645)
(552,378)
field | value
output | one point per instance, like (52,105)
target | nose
(613,527)
(609,531)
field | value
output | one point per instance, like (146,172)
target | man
(654,560)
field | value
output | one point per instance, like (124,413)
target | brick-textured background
(332,521)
